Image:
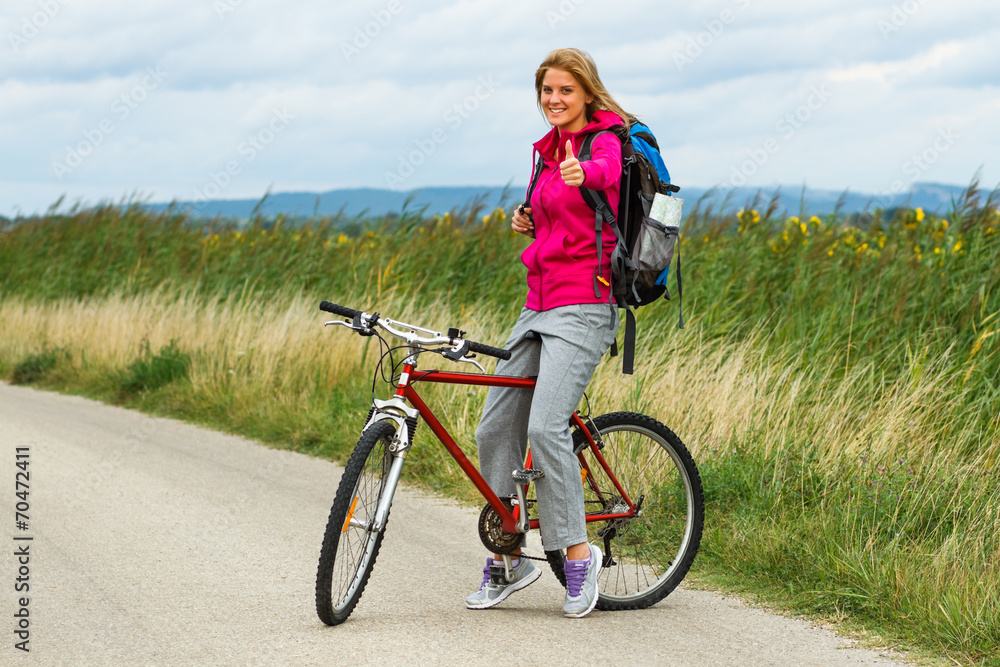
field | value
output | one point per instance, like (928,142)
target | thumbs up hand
(570,169)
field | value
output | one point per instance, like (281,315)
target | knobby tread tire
(687,473)
(380,432)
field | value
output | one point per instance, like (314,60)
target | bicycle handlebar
(367,321)
(339,310)
(489,350)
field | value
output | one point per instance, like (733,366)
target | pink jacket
(563,256)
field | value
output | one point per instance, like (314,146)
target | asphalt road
(155,542)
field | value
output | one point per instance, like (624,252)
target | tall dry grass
(836,381)
(849,496)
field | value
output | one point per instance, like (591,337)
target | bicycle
(642,492)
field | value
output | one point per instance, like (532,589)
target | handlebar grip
(489,350)
(339,310)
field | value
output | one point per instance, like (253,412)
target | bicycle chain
(524,555)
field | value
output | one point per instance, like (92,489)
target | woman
(570,307)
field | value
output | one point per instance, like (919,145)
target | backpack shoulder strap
(534,178)
(598,202)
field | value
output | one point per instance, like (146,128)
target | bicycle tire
(645,557)
(350,547)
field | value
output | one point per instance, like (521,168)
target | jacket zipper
(541,190)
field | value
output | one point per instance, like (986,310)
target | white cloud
(370,82)
(892,71)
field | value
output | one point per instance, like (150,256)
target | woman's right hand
(520,221)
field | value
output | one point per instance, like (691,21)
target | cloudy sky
(182,99)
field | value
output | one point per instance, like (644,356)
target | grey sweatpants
(574,338)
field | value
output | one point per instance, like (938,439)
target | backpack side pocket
(653,254)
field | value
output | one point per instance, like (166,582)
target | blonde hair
(582,67)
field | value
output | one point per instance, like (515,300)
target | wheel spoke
(350,546)
(651,552)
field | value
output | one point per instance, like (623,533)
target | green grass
(149,371)
(836,382)
(33,367)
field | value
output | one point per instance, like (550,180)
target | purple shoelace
(486,573)
(576,573)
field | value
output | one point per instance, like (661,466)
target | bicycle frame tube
(409,393)
(406,390)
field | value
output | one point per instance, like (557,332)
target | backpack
(644,249)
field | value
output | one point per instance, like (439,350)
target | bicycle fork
(394,409)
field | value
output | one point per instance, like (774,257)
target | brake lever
(475,363)
(362,331)
(457,354)
(459,351)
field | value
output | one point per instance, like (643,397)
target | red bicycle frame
(406,391)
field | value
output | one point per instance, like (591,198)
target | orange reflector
(350,515)
(583,475)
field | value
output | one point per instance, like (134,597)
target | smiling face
(564,100)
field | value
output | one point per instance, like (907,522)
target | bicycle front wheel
(350,545)
(645,556)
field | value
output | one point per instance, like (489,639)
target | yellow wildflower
(802,228)
(920,214)
(815,221)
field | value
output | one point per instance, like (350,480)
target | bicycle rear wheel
(350,546)
(645,556)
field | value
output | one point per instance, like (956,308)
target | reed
(836,380)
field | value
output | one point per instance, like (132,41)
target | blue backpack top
(645,143)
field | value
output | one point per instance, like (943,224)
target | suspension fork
(397,410)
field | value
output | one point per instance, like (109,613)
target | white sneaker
(581,584)
(496,588)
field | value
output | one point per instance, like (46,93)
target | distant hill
(933,197)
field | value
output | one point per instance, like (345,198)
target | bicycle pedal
(527,475)
(499,574)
